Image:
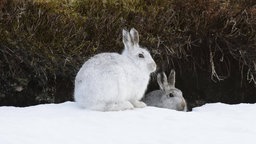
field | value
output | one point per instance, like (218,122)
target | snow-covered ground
(67,124)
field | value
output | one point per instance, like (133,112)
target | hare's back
(104,62)
(105,59)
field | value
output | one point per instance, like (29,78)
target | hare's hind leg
(138,104)
(118,106)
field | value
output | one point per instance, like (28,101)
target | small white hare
(168,96)
(112,81)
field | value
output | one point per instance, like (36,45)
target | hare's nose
(152,67)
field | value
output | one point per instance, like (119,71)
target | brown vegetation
(211,44)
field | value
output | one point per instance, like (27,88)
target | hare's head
(140,56)
(168,85)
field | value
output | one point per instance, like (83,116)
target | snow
(66,123)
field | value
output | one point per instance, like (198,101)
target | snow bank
(67,124)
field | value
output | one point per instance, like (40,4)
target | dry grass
(44,42)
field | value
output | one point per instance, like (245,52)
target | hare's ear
(127,40)
(171,78)
(134,36)
(162,81)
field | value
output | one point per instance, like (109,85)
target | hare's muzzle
(152,67)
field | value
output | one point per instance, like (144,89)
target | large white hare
(112,81)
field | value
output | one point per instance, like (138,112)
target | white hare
(168,96)
(112,81)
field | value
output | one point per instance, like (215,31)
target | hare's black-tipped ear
(171,78)
(162,81)
(127,39)
(134,36)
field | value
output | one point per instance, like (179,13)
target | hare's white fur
(112,81)
(168,96)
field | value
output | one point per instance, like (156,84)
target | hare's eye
(141,55)
(170,95)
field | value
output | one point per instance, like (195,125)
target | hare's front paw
(138,104)
(126,105)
